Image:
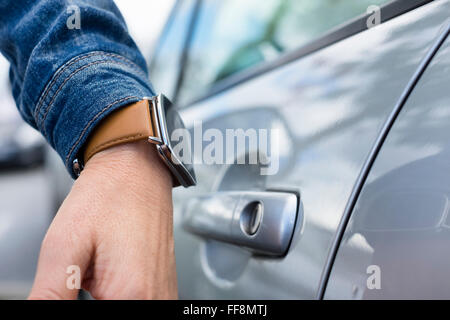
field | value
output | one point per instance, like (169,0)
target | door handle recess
(263,222)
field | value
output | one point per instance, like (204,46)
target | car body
(20,145)
(362,112)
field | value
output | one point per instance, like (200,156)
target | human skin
(116,224)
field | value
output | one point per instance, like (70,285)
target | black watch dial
(175,148)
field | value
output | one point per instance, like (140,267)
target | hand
(116,225)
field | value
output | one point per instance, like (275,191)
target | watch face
(180,162)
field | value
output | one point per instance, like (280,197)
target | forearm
(65,81)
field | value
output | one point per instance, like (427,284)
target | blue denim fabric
(66,80)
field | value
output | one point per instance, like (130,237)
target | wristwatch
(151,119)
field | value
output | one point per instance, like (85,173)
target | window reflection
(233,35)
(165,64)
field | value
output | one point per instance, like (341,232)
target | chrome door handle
(263,222)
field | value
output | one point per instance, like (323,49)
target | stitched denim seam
(49,106)
(92,120)
(55,78)
(66,66)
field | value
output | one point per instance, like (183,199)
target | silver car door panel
(328,109)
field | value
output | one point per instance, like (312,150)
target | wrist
(152,120)
(135,166)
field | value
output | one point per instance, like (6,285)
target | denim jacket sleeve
(72,63)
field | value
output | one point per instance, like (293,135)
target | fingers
(133,261)
(113,233)
(63,260)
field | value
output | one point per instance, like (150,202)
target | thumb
(63,261)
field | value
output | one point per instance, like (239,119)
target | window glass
(165,65)
(233,35)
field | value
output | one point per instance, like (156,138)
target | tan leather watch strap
(131,123)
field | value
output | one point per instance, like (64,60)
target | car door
(321,85)
(395,244)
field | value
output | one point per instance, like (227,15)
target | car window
(233,35)
(165,65)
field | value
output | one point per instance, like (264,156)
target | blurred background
(30,172)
